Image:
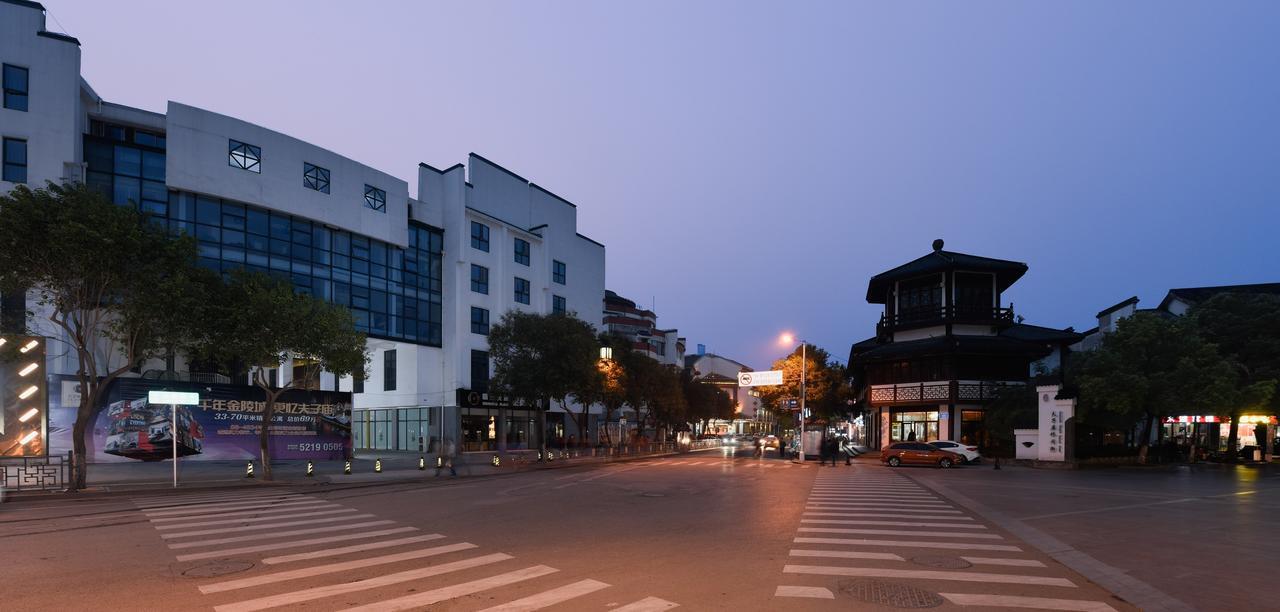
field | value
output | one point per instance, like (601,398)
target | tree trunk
(80,465)
(264,432)
(1145,445)
(1233,439)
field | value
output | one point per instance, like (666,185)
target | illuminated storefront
(23,393)
(1213,432)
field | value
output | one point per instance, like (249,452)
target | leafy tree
(705,401)
(1014,407)
(644,384)
(259,322)
(117,289)
(538,358)
(611,391)
(825,391)
(668,406)
(1246,330)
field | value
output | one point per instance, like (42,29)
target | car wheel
(944,463)
(894,462)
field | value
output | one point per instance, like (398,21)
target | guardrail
(44,473)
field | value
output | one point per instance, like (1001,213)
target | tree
(1014,407)
(538,358)
(825,393)
(1246,330)
(644,384)
(668,406)
(705,401)
(117,288)
(611,392)
(260,323)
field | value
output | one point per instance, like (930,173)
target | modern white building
(425,277)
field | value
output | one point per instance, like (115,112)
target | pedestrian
(848,452)
(447,450)
(911,437)
(835,451)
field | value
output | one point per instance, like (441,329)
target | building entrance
(914,426)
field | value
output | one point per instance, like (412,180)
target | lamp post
(804,371)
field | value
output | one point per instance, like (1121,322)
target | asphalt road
(703,531)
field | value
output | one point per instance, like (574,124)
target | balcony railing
(936,391)
(954,313)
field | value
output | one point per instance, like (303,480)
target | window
(375,198)
(558,271)
(558,305)
(389,370)
(15,160)
(480,236)
(522,251)
(480,279)
(15,87)
(660,347)
(480,371)
(479,321)
(315,177)
(244,156)
(357,382)
(522,290)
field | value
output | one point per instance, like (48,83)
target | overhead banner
(760,379)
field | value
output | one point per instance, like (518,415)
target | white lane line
(903,532)
(878,572)
(303,502)
(550,598)
(276,510)
(293,544)
(1036,603)
(426,598)
(333,552)
(254,519)
(803,591)
(930,517)
(318,570)
(845,554)
(909,544)
(243,528)
(648,604)
(331,590)
(999,561)
(890,523)
(278,534)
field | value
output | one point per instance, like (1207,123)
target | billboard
(307,424)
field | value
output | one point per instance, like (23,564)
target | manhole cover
(216,568)
(889,594)
(941,562)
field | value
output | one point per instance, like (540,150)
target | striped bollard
(422,463)
(311,469)
(377,465)
(248,470)
(346,467)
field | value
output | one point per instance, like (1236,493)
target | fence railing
(44,473)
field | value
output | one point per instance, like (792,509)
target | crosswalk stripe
(331,590)
(998,561)
(804,591)
(258,519)
(909,544)
(242,513)
(215,504)
(846,554)
(213,554)
(208,499)
(1036,603)
(903,532)
(877,572)
(890,523)
(427,598)
(328,519)
(869,496)
(186,511)
(279,534)
(931,517)
(888,504)
(318,570)
(333,552)
(648,604)
(549,598)
(908,508)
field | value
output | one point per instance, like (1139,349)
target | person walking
(447,450)
(846,450)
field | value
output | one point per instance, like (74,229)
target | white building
(408,268)
(749,416)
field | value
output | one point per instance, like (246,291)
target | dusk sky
(750,165)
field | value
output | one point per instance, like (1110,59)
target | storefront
(911,424)
(1212,432)
(398,429)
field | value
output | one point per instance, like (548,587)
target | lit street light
(789,339)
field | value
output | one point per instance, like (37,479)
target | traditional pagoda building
(943,347)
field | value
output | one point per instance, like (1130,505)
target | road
(703,531)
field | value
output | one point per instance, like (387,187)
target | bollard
(422,463)
(496,461)
(377,465)
(439,462)
(311,469)
(346,467)
(248,470)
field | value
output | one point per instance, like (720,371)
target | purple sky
(750,165)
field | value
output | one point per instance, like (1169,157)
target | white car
(969,453)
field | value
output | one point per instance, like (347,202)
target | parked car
(917,453)
(968,454)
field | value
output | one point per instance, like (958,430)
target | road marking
(902,498)
(931,517)
(599,476)
(845,554)
(802,591)
(298,504)
(224,530)
(318,570)
(256,519)
(173,501)
(426,598)
(893,523)
(333,552)
(199,532)
(217,504)
(997,561)
(904,532)
(648,604)
(909,544)
(1037,603)
(877,572)
(293,544)
(908,508)
(279,534)
(244,513)
(331,590)
(549,598)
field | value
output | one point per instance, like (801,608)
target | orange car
(917,453)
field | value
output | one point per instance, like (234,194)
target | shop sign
(1247,419)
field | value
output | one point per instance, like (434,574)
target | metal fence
(48,473)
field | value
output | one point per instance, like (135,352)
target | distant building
(624,318)
(750,415)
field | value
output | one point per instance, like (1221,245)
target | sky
(750,165)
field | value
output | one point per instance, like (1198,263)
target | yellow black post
(377,465)
(439,462)
(496,461)
(248,470)
(422,463)
(346,467)
(311,469)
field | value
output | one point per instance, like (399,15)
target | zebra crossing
(768,464)
(301,550)
(867,524)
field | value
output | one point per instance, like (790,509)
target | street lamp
(789,339)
